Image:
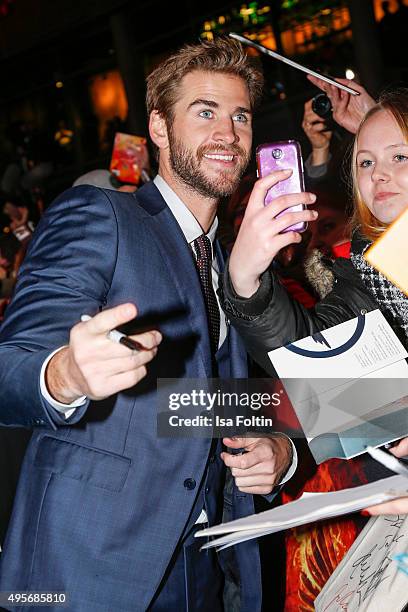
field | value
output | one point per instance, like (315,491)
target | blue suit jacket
(101,502)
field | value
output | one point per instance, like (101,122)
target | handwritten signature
(341,599)
(368,582)
(370,569)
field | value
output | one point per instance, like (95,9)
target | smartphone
(283,155)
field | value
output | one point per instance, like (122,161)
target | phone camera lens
(277,153)
(321,105)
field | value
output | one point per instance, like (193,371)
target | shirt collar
(184,217)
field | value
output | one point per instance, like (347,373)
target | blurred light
(207,35)
(221,19)
(59,84)
(64,136)
(350,74)
(246,11)
(108,96)
(299,36)
(325,11)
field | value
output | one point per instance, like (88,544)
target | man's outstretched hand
(95,366)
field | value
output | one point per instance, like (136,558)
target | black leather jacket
(272,318)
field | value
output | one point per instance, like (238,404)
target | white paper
(377,347)
(306,510)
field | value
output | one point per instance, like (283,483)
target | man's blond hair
(222,55)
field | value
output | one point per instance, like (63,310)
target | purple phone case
(291,157)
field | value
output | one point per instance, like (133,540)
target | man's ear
(158,130)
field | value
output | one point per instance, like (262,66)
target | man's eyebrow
(243,109)
(213,104)
(202,102)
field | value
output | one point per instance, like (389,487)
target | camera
(277,153)
(321,105)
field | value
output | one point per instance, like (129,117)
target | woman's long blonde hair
(396,103)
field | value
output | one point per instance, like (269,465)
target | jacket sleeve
(271,318)
(67,272)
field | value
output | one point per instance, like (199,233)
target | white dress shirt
(192,230)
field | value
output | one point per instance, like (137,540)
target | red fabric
(342,250)
(295,289)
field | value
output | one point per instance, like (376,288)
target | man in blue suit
(105,510)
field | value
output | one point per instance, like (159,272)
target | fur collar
(318,270)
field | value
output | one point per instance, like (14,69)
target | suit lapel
(179,260)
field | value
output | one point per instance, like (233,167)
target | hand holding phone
(283,155)
(262,236)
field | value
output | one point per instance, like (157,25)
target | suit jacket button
(189,484)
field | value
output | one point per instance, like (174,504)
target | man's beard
(186,165)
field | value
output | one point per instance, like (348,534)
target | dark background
(57,55)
